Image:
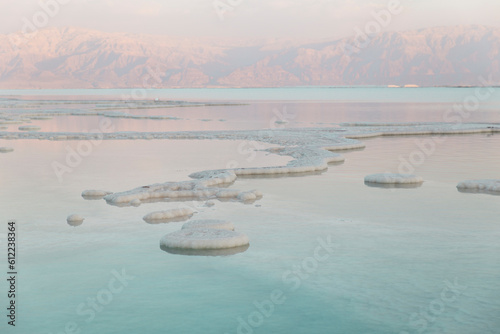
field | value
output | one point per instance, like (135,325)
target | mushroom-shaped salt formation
(203,239)
(209,223)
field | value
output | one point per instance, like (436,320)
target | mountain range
(81,58)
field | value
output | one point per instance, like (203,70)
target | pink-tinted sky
(302,19)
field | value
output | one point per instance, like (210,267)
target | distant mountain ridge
(80,58)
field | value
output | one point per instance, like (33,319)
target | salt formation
(95,194)
(204,238)
(390,178)
(118,114)
(311,151)
(209,203)
(294,143)
(6,149)
(41,117)
(203,188)
(307,160)
(168,214)
(480,186)
(75,220)
(10,121)
(206,252)
(209,237)
(29,128)
(209,223)
(136,202)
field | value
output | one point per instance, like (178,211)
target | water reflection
(205,252)
(393,186)
(478,191)
(75,223)
(278,176)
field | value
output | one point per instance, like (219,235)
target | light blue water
(352,94)
(394,253)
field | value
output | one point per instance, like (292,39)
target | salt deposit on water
(29,128)
(206,252)
(209,223)
(204,238)
(25,111)
(480,186)
(168,214)
(6,149)
(75,220)
(310,148)
(94,194)
(203,188)
(391,178)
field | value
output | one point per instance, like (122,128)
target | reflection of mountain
(68,57)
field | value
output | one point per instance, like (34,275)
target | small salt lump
(75,220)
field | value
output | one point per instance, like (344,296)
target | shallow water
(393,248)
(255,115)
(339,94)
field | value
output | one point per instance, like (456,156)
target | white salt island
(95,194)
(168,215)
(209,223)
(392,178)
(204,238)
(480,186)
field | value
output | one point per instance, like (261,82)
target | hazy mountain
(79,58)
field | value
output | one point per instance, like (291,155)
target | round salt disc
(204,238)
(209,223)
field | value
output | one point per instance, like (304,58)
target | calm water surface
(395,252)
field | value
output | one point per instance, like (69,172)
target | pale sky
(289,19)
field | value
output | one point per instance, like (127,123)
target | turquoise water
(422,260)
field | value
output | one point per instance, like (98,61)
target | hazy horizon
(236,43)
(282,19)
